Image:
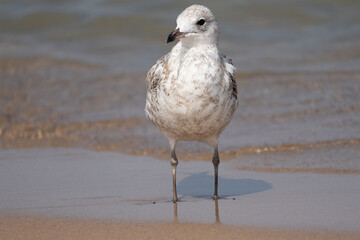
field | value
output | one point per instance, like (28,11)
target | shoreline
(297,121)
(265,152)
(21,227)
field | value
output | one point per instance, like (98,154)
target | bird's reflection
(175,212)
(217,215)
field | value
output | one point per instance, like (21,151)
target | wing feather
(230,71)
(156,74)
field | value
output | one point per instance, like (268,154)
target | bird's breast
(193,102)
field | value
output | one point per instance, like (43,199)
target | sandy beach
(92,167)
(79,160)
(64,188)
(43,228)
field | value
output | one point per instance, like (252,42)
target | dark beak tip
(173,35)
(170,38)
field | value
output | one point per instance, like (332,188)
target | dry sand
(44,228)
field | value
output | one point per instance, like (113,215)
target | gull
(192,92)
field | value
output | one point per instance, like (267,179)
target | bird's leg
(174,163)
(216,162)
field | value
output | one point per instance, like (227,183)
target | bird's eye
(200,22)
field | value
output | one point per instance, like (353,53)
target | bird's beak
(175,35)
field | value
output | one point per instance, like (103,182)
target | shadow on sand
(201,185)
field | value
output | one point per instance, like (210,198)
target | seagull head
(196,24)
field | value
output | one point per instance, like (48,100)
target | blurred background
(128,36)
(72,75)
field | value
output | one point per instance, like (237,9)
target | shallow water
(72,74)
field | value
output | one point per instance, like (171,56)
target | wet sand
(77,183)
(45,228)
